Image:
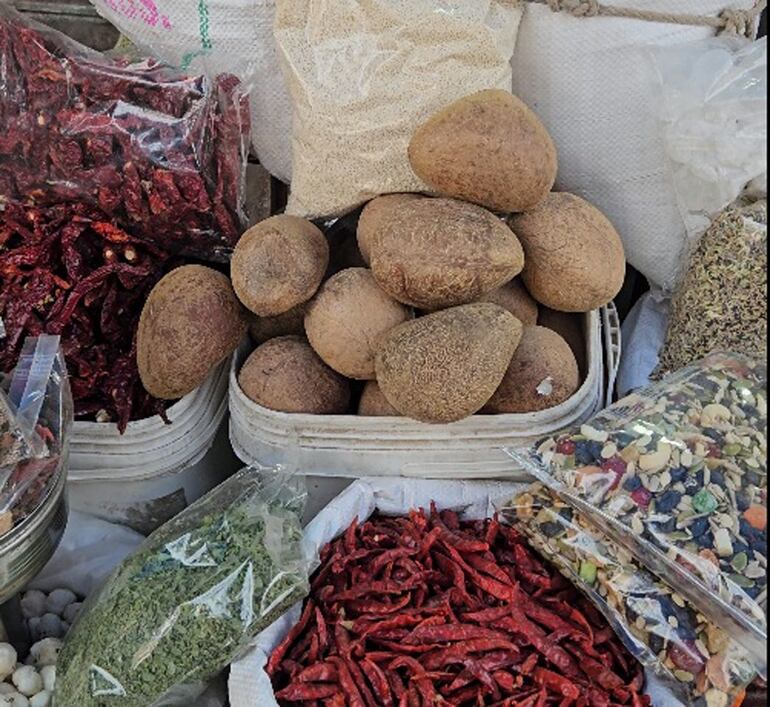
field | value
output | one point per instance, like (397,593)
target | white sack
(216,36)
(592,83)
(644,331)
(249,685)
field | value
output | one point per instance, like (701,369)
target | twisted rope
(736,22)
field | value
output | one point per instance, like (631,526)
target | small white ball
(42,699)
(58,600)
(8,658)
(33,604)
(6,688)
(48,673)
(27,680)
(17,700)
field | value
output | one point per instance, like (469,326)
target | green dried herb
(721,304)
(180,609)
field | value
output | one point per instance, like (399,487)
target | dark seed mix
(721,303)
(697,659)
(682,465)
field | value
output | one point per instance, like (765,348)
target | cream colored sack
(363,74)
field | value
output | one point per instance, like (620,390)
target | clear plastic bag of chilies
(182,607)
(161,154)
(36,413)
(677,473)
(698,661)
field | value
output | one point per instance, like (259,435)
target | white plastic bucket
(353,447)
(153,471)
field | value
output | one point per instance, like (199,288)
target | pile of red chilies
(426,610)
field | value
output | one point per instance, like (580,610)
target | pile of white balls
(30,683)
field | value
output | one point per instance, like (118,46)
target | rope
(742,23)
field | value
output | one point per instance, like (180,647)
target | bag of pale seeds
(364,75)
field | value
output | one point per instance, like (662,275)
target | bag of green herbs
(182,607)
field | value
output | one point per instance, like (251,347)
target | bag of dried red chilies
(67,270)
(428,609)
(161,153)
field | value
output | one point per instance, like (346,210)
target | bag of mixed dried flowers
(677,473)
(697,660)
(35,418)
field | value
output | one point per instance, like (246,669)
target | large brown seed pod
(191,322)
(542,374)
(279,264)
(348,317)
(574,256)
(445,366)
(437,253)
(375,217)
(514,297)
(373,403)
(286,375)
(488,148)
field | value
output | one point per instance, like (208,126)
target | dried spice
(721,304)
(428,610)
(179,610)
(68,270)
(162,154)
(699,661)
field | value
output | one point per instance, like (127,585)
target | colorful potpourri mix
(161,153)
(681,468)
(427,610)
(697,659)
(66,270)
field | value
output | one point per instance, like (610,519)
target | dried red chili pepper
(419,622)
(54,278)
(162,153)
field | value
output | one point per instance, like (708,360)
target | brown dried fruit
(373,403)
(574,259)
(542,374)
(436,253)
(445,366)
(286,375)
(489,149)
(278,264)
(514,297)
(191,322)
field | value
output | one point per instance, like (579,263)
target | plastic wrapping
(677,473)
(364,75)
(182,607)
(35,418)
(712,103)
(160,153)
(697,660)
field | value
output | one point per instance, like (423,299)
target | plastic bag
(364,75)
(36,414)
(161,153)
(713,109)
(697,660)
(181,608)
(678,474)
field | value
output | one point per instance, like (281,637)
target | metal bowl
(26,549)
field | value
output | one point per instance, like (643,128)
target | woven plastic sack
(363,74)
(590,80)
(213,37)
